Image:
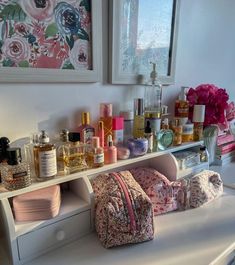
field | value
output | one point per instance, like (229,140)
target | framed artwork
(142,31)
(50,40)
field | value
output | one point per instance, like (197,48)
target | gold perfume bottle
(138,126)
(45,158)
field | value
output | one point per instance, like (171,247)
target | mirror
(142,31)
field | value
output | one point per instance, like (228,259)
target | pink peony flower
(216,101)
(40,10)
(21,29)
(16,48)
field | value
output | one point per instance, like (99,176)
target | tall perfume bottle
(148,134)
(75,159)
(138,126)
(85,129)
(45,158)
(101,133)
(15,174)
(62,151)
(182,105)
(106,112)
(95,155)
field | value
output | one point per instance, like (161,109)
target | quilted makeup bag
(204,187)
(162,192)
(123,212)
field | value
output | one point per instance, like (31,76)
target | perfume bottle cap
(109,140)
(13,156)
(106,110)
(139,106)
(85,118)
(101,125)
(95,142)
(148,128)
(43,138)
(4,144)
(127,115)
(64,135)
(74,137)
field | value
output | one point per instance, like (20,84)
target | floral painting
(45,34)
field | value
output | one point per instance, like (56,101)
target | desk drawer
(49,237)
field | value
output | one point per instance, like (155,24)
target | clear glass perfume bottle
(45,158)
(165,136)
(138,126)
(75,158)
(95,155)
(62,151)
(15,174)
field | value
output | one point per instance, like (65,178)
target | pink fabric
(162,192)
(113,221)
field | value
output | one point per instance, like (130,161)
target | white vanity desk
(201,236)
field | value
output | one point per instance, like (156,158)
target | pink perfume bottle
(110,152)
(85,129)
(101,133)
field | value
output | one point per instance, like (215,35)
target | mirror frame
(116,76)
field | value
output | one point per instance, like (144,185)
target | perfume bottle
(153,101)
(110,152)
(62,151)
(128,117)
(148,134)
(15,174)
(198,120)
(182,105)
(165,136)
(75,159)
(117,127)
(85,129)
(45,158)
(4,144)
(106,112)
(138,126)
(29,153)
(101,133)
(177,130)
(95,155)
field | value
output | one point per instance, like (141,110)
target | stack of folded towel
(37,205)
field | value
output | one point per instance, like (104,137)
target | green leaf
(82,34)
(51,30)
(86,4)
(13,12)
(1,43)
(70,41)
(68,65)
(24,64)
(7,63)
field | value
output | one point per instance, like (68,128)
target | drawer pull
(60,235)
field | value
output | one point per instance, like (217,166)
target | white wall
(205,54)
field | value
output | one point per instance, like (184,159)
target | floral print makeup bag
(123,212)
(162,192)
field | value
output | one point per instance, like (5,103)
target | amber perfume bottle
(45,158)
(95,154)
(138,126)
(85,129)
(15,174)
(182,105)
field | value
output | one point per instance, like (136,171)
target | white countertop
(192,237)
(198,236)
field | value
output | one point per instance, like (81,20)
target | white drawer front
(42,240)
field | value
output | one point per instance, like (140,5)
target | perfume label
(19,174)
(47,164)
(88,133)
(99,158)
(117,136)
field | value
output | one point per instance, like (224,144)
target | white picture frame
(46,75)
(116,74)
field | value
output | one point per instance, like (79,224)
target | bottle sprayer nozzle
(153,74)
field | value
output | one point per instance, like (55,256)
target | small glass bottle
(95,155)
(148,134)
(177,130)
(165,136)
(62,151)
(85,129)
(106,113)
(204,155)
(45,158)
(110,152)
(75,159)
(138,126)
(15,174)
